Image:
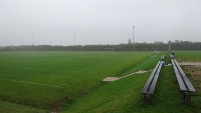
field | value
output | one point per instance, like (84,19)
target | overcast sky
(52,22)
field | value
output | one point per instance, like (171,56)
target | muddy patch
(194,73)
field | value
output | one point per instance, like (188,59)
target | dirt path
(195,75)
(111,79)
(190,63)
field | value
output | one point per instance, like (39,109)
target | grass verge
(8,107)
(124,96)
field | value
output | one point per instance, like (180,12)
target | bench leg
(146,97)
(187,97)
(183,94)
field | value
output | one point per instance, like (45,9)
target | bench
(162,58)
(185,85)
(171,56)
(150,85)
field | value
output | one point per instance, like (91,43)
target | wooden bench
(162,57)
(150,85)
(185,85)
(171,56)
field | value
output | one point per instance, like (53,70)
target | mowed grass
(8,107)
(123,96)
(91,95)
(53,80)
(191,56)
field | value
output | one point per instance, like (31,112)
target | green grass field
(71,82)
(52,80)
(192,56)
(9,107)
(124,96)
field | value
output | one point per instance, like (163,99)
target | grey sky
(98,21)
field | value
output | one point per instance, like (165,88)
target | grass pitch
(192,56)
(124,96)
(51,80)
(71,82)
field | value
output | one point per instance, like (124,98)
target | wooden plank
(146,86)
(178,76)
(171,56)
(154,82)
(162,57)
(150,84)
(188,83)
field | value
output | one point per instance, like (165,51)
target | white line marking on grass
(32,69)
(32,83)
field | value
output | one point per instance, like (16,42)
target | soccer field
(51,80)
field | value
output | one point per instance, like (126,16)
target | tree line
(159,46)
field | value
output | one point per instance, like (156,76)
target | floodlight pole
(133,37)
(74,39)
(33,41)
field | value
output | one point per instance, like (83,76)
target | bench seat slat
(179,79)
(153,85)
(146,86)
(171,56)
(188,83)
